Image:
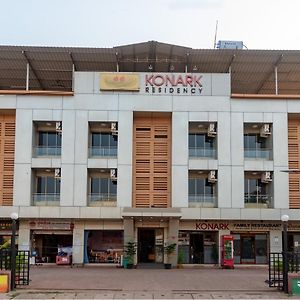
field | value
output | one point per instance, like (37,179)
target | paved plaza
(113,283)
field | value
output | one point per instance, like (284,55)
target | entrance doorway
(248,249)
(146,245)
(196,249)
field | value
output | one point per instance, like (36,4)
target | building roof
(253,71)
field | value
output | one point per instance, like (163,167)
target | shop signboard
(174,84)
(4,283)
(51,225)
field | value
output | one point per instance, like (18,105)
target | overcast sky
(260,24)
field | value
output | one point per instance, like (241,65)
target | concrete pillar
(173,238)
(24,236)
(275,241)
(78,242)
(129,234)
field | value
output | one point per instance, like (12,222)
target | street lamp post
(14,217)
(285,219)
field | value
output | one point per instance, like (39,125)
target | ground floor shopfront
(199,242)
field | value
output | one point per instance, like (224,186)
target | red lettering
(197,226)
(203,226)
(180,81)
(170,80)
(148,80)
(197,81)
(158,80)
(189,80)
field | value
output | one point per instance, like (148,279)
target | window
(47,190)
(256,193)
(201,192)
(103,144)
(255,146)
(47,140)
(103,191)
(201,145)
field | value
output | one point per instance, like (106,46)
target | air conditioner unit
(57,173)
(113,174)
(266,177)
(58,126)
(212,130)
(212,177)
(265,130)
(114,128)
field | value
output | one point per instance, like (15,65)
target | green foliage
(170,248)
(180,257)
(130,250)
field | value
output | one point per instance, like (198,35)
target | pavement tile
(87,295)
(202,296)
(104,296)
(162,295)
(143,295)
(65,296)
(183,296)
(4,296)
(123,295)
(221,295)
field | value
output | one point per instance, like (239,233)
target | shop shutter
(152,144)
(293,151)
(7,153)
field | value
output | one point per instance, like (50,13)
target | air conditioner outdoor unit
(58,126)
(57,173)
(212,130)
(265,130)
(113,174)
(266,177)
(114,128)
(212,177)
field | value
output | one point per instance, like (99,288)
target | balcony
(46,199)
(257,201)
(203,152)
(102,199)
(47,151)
(103,151)
(258,153)
(202,201)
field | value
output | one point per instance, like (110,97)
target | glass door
(248,249)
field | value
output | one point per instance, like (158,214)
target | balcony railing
(47,151)
(202,201)
(103,151)
(203,152)
(258,201)
(258,153)
(46,199)
(102,199)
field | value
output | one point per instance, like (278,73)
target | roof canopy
(253,71)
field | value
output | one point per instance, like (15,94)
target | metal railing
(258,153)
(22,265)
(258,200)
(202,201)
(202,152)
(102,199)
(103,151)
(276,267)
(46,199)
(47,151)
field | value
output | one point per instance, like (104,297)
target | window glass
(192,143)
(200,186)
(113,140)
(50,185)
(113,187)
(95,139)
(192,190)
(254,141)
(41,185)
(104,139)
(57,185)
(49,139)
(95,185)
(104,185)
(208,188)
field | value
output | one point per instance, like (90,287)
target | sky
(260,24)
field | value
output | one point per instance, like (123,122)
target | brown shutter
(293,148)
(7,153)
(152,152)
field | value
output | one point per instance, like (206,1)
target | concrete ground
(61,282)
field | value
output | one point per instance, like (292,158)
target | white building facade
(153,158)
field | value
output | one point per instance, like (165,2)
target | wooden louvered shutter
(7,153)
(293,148)
(152,153)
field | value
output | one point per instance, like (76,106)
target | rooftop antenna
(216,35)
